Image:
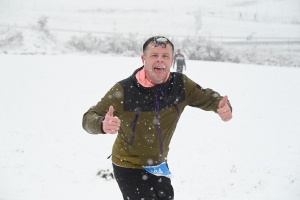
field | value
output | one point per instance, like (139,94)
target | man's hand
(224,110)
(111,124)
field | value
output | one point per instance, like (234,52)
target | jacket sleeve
(206,99)
(92,119)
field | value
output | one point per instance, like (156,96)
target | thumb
(110,111)
(223,101)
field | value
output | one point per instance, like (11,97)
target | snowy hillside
(46,155)
(251,23)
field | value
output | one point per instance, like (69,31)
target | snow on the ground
(45,153)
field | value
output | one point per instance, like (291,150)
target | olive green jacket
(148,116)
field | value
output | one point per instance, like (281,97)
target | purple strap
(133,128)
(157,125)
(157,121)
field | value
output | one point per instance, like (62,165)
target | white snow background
(46,155)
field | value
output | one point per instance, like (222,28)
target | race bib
(159,170)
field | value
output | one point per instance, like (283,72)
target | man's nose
(159,59)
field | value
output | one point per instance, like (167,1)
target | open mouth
(159,70)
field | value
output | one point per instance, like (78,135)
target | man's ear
(143,59)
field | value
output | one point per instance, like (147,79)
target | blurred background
(263,32)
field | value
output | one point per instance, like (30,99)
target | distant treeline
(194,48)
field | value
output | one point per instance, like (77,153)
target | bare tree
(42,23)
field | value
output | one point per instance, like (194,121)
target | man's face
(157,61)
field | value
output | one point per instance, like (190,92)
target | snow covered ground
(45,153)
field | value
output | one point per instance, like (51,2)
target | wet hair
(158,41)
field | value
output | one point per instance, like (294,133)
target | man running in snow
(180,61)
(143,110)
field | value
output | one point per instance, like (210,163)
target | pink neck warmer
(141,77)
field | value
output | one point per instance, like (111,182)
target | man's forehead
(153,46)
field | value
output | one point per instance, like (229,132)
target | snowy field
(46,155)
